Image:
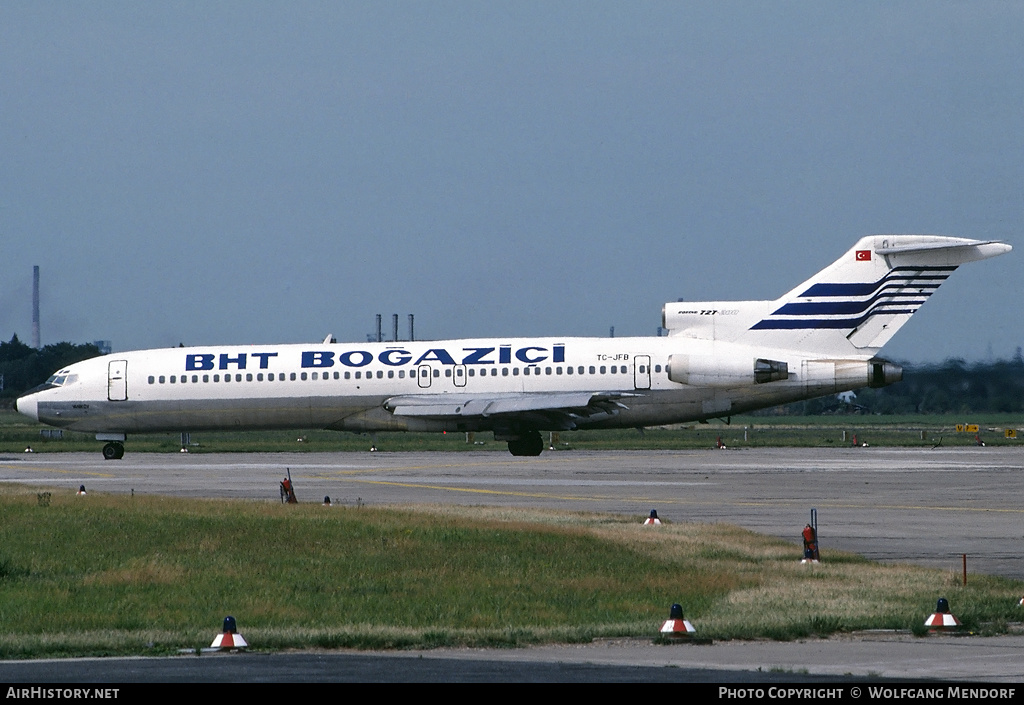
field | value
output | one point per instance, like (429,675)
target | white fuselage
(721,358)
(348,386)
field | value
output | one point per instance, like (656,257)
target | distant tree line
(950,387)
(24,367)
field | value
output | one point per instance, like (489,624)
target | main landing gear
(529,443)
(113,451)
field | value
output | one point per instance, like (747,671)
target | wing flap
(465,405)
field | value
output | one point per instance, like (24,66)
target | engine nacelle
(842,375)
(712,320)
(884,373)
(721,371)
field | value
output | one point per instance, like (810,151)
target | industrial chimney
(35,308)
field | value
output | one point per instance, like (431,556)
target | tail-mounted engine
(710,371)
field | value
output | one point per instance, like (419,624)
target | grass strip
(115,574)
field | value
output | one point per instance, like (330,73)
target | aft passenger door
(117,380)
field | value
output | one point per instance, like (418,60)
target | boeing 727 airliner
(720,358)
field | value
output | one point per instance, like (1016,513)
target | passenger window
(315,375)
(152,379)
(292,376)
(592,369)
(380,374)
(173,377)
(348,375)
(602,369)
(195,378)
(504,372)
(161,379)
(259,377)
(238,377)
(206,378)
(391,374)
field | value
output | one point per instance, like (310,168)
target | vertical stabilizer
(855,305)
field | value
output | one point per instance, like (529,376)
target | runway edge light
(941,618)
(229,638)
(677,626)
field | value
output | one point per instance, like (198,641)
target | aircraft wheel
(113,451)
(529,444)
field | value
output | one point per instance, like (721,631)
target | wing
(560,411)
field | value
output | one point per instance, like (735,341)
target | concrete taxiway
(875,657)
(916,505)
(925,506)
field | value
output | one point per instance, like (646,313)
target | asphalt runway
(925,506)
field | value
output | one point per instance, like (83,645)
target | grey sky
(273,172)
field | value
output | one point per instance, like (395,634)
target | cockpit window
(61,379)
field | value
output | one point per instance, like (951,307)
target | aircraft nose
(28,405)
